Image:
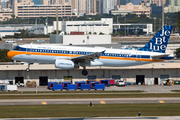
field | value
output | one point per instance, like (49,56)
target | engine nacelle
(64,64)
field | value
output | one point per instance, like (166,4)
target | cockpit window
(17,48)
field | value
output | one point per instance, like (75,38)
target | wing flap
(87,58)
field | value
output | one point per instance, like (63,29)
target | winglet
(103,51)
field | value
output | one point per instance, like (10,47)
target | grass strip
(175,90)
(69,96)
(105,110)
(32,92)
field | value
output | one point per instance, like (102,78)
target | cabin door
(28,50)
(138,56)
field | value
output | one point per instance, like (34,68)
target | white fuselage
(111,57)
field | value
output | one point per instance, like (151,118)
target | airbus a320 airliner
(69,57)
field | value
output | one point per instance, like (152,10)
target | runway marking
(44,103)
(161,101)
(102,102)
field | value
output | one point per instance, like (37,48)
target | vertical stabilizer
(159,42)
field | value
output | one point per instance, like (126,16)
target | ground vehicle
(166,82)
(120,83)
(10,41)
(18,39)
(40,41)
(20,84)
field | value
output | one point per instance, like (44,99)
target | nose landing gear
(28,67)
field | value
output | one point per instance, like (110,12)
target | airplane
(71,57)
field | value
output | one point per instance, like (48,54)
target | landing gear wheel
(27,69)
(84,72)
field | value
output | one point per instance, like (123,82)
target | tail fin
(159,42)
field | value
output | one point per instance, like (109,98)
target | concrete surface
(145,88)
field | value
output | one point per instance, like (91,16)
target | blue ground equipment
(57,87)
(99,86)
(93,84)
(85,87)
(106,82)
(71,86)
(79,84)
(50,85)
(65,84)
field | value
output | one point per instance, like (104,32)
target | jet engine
(64,64)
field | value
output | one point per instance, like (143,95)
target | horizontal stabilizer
(154,57)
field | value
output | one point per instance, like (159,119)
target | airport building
(132,28)
(150,74)
(10,29)
(80,39)
(105,25)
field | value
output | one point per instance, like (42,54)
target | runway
(106,118)
(87,101)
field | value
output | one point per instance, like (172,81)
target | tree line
(3,56)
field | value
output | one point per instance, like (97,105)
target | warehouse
(149,74)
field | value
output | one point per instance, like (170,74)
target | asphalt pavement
(145,88)
(88,100)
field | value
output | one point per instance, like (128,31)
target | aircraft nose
(10,54)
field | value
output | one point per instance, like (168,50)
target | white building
(105,25)
(108,5)
(32,28)
(80,39)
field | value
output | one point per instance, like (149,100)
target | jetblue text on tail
(159,42)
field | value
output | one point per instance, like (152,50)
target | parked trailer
(106,82)
(57,87)
(65,84)
(93,84)
(3,87)
(11,87)
(85,87)
(50,85)
(99,86)
(71,87)
(112,82)
(8,87)
(79,84)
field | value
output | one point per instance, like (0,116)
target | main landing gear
(84,72)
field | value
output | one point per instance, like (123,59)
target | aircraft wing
(87,58)
(159,56)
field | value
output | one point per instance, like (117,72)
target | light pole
(167,20)
(57,26)
(125,27)
(162,14)
(47,24)
(160,24)
(154,24)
